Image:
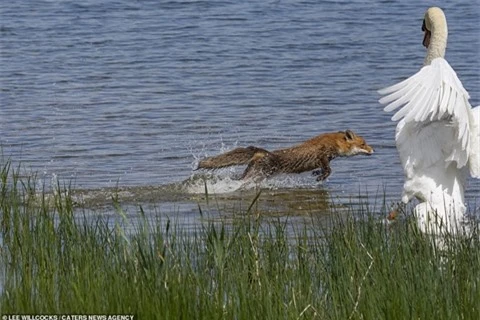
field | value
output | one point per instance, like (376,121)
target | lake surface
(133,93)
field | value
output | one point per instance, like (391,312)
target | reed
(54,259)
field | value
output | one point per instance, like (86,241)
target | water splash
(209,183)
(227,180)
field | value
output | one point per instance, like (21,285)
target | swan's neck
(438,41)
(436,49)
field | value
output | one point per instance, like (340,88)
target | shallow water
(132,94)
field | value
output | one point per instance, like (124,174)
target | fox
(313,155)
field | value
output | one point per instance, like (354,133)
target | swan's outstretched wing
(434,94)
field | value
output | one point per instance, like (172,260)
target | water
(133,93)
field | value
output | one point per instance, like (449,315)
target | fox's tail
(235,157)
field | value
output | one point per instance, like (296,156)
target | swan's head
(434,22)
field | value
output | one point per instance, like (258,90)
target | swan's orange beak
(427,35)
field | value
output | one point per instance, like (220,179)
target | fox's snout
(368,151)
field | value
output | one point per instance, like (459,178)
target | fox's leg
(324,170)
(262,165)
(252,172)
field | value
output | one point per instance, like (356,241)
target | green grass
(53,261)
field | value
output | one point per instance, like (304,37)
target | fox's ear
(349,135)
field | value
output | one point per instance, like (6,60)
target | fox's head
(353,145)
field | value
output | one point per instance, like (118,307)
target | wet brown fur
(315,153)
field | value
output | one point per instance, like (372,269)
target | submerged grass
(53,261)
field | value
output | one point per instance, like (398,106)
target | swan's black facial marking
(426,36)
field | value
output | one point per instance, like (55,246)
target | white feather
(474,160)
(434,93)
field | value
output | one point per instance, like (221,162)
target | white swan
(438,135)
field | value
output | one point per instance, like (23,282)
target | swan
(437,135)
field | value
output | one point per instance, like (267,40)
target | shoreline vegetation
(54,260)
